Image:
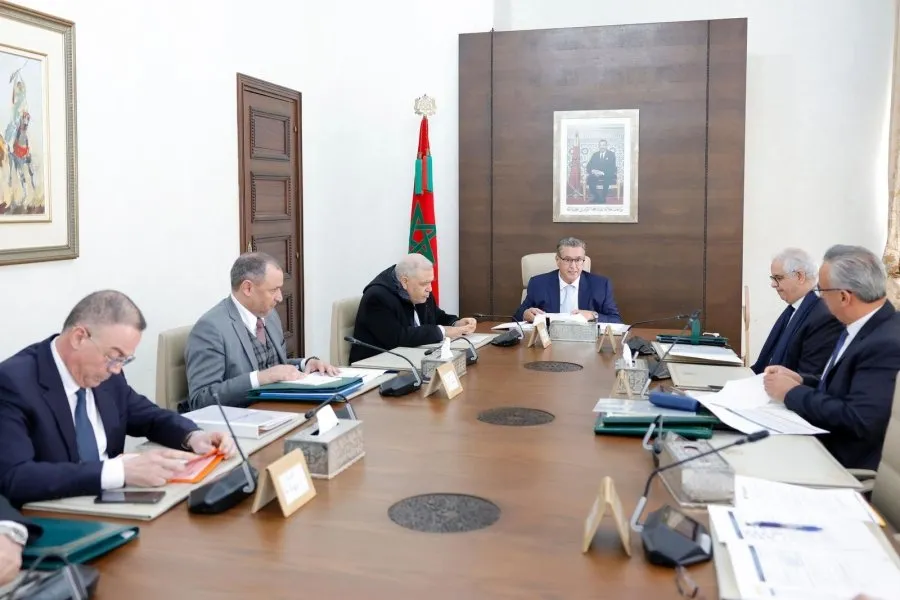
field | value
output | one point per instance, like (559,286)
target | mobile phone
(120,497)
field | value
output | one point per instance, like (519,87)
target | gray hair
(410,265)
(106,307)
(795,260)
(252,266)
(856,269)
(570,242)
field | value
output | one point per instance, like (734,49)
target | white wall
(157,156)
(818,76)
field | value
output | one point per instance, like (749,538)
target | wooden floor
(343,545)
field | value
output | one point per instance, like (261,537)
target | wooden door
(271,189)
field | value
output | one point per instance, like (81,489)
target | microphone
(670,537)
(658,366)
(312,412)
(70,581)
(230,489)
(471,352)
(508,337)
(399,385)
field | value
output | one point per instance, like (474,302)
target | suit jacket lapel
(584,293)
(109,415)
(55,397)
(880,316)
(553,302)
(240,330)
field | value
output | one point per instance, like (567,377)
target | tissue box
(329,454)
(636,376)
(567,331)
(431,362)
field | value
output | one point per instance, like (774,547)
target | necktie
(568,304)
(830,364)
(260,331)
(84,431)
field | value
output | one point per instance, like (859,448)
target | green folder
(298,387)
(690,426)
(77,541)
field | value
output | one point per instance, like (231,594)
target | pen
(785,526)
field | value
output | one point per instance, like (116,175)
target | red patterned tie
(260,331)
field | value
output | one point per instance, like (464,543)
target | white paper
(617,328)
(764,570)
(367,375)
(635,408)
(703,353)
(627,357)
(796,504)
(327,419)
(565,317)
(512,325)
(742,393)
(316,379)
(294,483)
(446,353)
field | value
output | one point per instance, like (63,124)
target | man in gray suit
(238,345)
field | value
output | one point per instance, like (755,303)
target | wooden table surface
(343,545)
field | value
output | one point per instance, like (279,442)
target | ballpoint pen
(774,525)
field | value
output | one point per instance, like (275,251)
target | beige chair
(171,373)
(535,264)
(343,320)
(885,483)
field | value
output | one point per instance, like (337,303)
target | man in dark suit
(65,409)
(238,345)
(569,289)
(397,309)
(852,397)
(804,335)
(602,173)
(15,531)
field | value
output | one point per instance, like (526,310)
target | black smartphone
(120,497)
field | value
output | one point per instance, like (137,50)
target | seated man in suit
(65,409)
(852,397)
(15,531)
(804,335)
(569,289)
(397,309)
(238,345)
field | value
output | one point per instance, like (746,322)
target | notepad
(197,469)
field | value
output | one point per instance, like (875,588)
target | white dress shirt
(249,320)
(562,291)
(853,329)
(113,474)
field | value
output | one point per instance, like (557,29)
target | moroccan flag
(575,170)
(422,228)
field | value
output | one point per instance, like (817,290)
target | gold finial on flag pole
(425,106)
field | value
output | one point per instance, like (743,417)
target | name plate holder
(540,337)
(446,380)
(289,480)
(569,331)
(607,335)
(630,378)
(607,497)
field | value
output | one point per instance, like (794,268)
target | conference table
(342,544)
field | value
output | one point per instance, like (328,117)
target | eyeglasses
(111,361)
(821,289)
(571,261)
(779,278)
(686,585)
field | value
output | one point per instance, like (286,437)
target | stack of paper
(712,355)
(246,422)
(795,542)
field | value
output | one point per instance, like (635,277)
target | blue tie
(830,364)
(84,431)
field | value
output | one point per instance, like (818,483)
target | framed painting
(595,166)
(38,163)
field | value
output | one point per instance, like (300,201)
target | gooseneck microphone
(312,412)
(658,366)
(399,385)
(510,337)
(670,537)
(226,491)
(471,352)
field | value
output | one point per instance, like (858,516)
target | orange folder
(197,469)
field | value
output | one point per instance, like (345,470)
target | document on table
(619,407)
(512,325)
(367,375)
(765,570)
(788,503)
(700,353)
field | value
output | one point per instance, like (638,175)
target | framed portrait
(595,166)
(38,164)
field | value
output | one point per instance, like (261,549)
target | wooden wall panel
(659,266)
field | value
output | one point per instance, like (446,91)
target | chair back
(171,373)
(886,492)
(544,262)
(343,321)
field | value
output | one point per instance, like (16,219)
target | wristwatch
(14,533)
(306,362)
